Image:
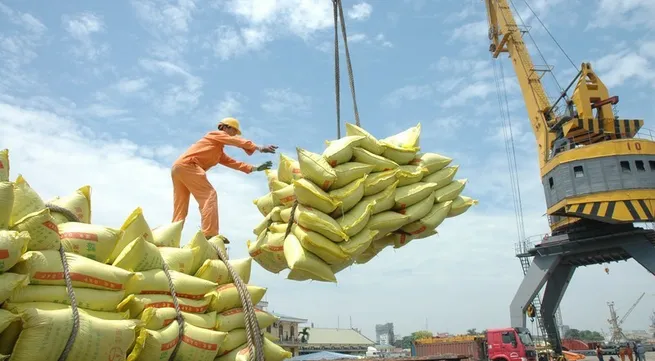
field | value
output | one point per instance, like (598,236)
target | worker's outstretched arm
(248,146)
(230,162)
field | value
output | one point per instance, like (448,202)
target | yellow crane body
(592,166)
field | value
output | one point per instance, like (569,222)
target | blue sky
(109,93)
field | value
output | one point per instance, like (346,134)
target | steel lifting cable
(337,11)
(69,284)
(255,341)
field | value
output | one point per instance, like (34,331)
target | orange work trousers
(189,179)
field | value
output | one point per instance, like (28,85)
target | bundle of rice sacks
(353,200)
(125,303)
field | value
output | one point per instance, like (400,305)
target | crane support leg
(644,253)
(534,280)
(555,288)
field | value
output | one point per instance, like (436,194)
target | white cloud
(476,69)
(408,92)
(279,101)
(168,23)
(355,38)
(629,14)
(473,31)
(230,106)
(361,11)
(178,96)
(127,86)
(82,27)
(637,64)
(229,42)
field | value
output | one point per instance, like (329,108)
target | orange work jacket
(208,151)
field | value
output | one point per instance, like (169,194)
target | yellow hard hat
(233,123)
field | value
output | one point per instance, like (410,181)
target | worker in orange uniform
(189,172)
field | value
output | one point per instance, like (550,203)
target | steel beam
(644,253)
(537,275)
(555,288)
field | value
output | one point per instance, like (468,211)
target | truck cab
(510,344)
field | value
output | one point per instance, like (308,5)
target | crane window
(578,171)
(651,163)
(625,166)
(639,164)
(551,183)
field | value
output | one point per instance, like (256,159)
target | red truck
(500,344)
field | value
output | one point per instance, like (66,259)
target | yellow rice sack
(78,203)
(460,205)
(349,172)
(265,203)
(358,243)
(431,221)
(288,170)
(268,251)
(382,201)
(419,209)
(407,139)
(349,195)
(12,245)
(158,318)
(226,297)
(317,244)
(206,249)
(451,191)
(412,194)
(340,151)
(4,165)
(45,268)
(399,155)
(442,177)
(370,143)
(387,221)
(155,282)
(309,194)
(10,282)
(299,275)
(44,233)
(272,352)
(105,315)
(197,344)
(410,174)
(379,181)
(7,319)
(284,197)
(275,214)
(263,225)
(273,182)
(336,268)
(134,226)
(45,333)
(373,250)
(316,169)
(180,259)
(432,161)
(355,220)
(379,163)
(399,239)
(298,258)
(215,270)
(232,319)
(92,299)
(139,255)
(26,200)
(168,235)
(6,203)
(233,340)
(316,221)
(89,240)
(135,304)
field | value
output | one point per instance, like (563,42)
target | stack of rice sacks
(355,199)
(125,306)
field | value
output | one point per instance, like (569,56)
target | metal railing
(589,137)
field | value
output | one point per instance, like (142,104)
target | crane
(615,323)
(598,176)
